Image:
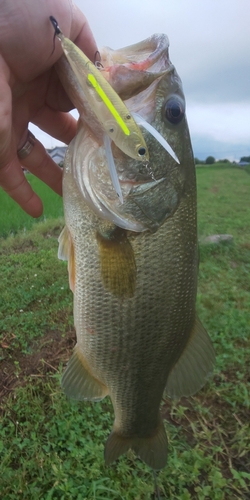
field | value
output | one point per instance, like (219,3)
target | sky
(210,48)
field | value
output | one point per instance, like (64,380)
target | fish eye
(174,110)
(141,151)
(111,130)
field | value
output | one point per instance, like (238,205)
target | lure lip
(154,132)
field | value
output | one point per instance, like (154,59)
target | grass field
(13,219)
(53,449)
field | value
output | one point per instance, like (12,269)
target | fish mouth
(132,69)
(134,72)
(117,188)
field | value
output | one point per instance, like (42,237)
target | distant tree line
(210,160)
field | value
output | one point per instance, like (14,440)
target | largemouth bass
(133,265)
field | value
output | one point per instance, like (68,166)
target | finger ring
(26,149)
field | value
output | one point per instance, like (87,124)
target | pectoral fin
(194,366)
(118,268)
(66,252)
(77,381)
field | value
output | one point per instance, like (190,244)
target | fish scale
(135,292)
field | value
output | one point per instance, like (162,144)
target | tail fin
(152,450)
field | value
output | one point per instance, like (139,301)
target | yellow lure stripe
(108,103)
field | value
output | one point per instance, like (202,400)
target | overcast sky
(210,48)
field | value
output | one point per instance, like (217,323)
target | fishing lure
(114,117)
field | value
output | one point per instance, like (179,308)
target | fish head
(147,81)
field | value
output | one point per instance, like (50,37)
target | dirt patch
(246,245)
(53,232)
(214,189)
(46,355)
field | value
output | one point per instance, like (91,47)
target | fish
(133,266)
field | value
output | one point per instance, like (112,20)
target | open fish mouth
(111,182)
(110,159)
(130,71)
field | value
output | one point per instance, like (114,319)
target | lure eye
(174,110)
(141,151)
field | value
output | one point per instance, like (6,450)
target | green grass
(223,197)
(34,290)
(53,449)
(13,219)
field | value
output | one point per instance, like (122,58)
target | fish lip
(140,64)
(154,47)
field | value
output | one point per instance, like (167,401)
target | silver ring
(26,149)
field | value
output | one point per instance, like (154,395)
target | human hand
(30,91)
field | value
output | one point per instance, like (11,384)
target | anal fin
(77,381)
(194,366)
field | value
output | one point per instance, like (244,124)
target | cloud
(220,129)
(227,122)
(221,81)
